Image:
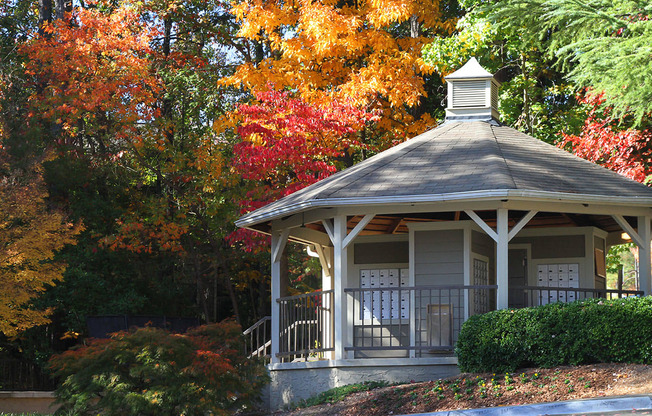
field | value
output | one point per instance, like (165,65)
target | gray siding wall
(439,257)
(550,247)
(600,243)
(484,245)
(385,252)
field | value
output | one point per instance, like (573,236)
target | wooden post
(340,261)
(279,240)
(644,259)
(276,293)
(502,250)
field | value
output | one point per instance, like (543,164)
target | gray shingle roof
(459,157)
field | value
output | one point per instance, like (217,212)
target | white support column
(644,255)
(277,243)
(502,249)
(340,261)
(326,258)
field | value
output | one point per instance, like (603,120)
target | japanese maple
(603,141)
(288,144)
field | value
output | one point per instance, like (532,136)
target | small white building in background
(468,217)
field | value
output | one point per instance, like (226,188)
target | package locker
(394,282)
(385,304)
(405,295)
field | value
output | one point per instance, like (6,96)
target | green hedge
(581,332)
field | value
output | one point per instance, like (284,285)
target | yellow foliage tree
(30,234)
(362,52)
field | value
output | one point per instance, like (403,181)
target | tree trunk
(63,7)
(44,14)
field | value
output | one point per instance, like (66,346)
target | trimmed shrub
(150,371)
(581,332)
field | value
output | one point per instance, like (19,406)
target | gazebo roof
(462,161)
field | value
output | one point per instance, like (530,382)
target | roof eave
(251,219)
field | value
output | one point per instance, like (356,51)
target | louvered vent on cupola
(472,94)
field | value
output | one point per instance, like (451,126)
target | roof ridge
(502,155)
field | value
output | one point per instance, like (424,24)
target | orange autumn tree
(94,80)
(30,235)
(129,89)
(365,51)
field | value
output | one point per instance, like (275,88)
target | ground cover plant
(581,332)
(150,371)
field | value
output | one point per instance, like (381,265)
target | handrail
(406,288)
(304,295)
(579,289)
(255,326)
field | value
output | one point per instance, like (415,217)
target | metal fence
(306,323)
(537,295)
(17,375)
(417,321)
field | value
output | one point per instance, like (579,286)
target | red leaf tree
(603,141)
(288,144)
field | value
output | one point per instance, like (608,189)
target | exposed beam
(487,229)
(279,245)
(393,226)
(522,223)
(629,230)
(323,259)
(305,235)
(328,226)
(355,231)
(579,220)
(302,218)
(457,215)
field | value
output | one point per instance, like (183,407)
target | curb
(610,404)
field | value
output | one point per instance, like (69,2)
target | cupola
(472,94)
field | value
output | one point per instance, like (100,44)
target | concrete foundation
(292,382)
(27,402)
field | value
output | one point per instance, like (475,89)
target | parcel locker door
(375,295)
(394,280)
(405,294)
(385,304)
(365,283)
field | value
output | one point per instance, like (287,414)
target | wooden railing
(306,323)
(258,340)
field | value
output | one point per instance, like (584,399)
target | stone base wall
(27,402)
(292,382)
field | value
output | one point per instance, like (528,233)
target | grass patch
(337,394)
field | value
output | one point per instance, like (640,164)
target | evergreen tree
(603,44)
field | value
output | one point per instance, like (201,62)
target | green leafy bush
(581,332)
(150,371)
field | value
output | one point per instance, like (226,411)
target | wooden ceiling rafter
(398,224)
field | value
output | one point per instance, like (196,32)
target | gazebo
(468,217)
